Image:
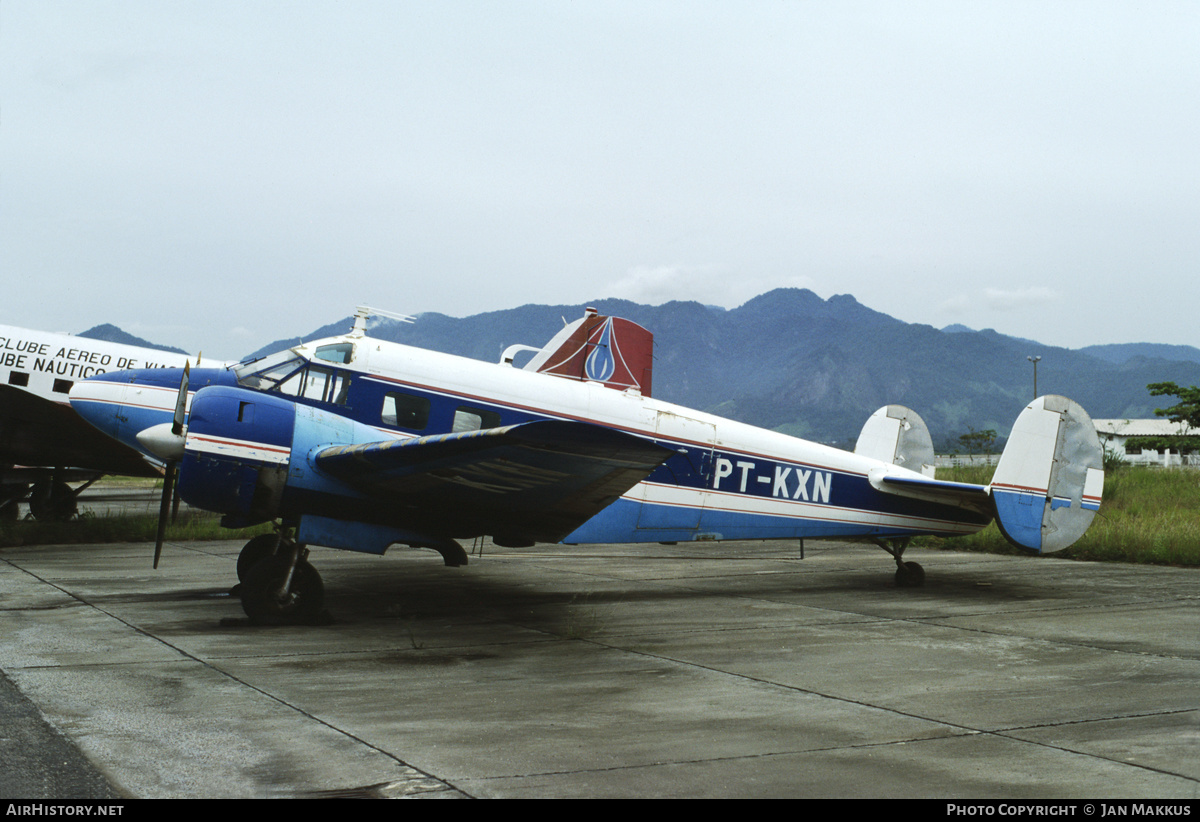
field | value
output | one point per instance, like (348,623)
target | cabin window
(19,378)
(474,419)
(324,385)
(406,411)
(341,353)
(63,386)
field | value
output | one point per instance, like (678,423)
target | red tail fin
(610,350)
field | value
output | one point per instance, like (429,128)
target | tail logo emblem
(600,365)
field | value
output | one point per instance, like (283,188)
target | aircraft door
(674,496)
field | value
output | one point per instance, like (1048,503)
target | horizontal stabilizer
(905,483)
(961,490)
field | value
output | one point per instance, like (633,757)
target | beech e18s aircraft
(43,443)
(356,443)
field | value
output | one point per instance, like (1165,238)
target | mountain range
(110,333)
(791,361)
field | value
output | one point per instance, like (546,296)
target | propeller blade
(164,509)
(175,441)
(181,401)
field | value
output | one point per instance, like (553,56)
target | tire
(254,552)
(266,604)
(53,501)
(910,575)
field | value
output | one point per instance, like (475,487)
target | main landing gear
(908,574)
(278,585)
(50,498)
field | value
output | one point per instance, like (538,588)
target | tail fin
(897,435)
(610,350)
(1048,485)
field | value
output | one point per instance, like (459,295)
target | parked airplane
(44,445)
(356,443)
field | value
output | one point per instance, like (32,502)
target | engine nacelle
(247,456)
(236,455)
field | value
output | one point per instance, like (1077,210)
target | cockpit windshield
(271,372)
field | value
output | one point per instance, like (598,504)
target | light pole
(1034,360)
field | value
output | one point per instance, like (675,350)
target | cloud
(708,284)
(955,305)
(1002,300)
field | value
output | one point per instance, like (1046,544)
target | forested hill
(110,333)
(817,368)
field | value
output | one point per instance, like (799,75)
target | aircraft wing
(38,431)
(535,481)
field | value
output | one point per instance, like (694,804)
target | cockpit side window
(289,373)
(277,372)
(325,385)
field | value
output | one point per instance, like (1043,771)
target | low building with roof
(1150,442)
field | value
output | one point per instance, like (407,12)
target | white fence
(954,460)
(1153,459)
(1168,459)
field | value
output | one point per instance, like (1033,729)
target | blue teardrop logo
(600,365)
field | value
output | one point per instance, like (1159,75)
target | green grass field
(1149,515)
(127,528)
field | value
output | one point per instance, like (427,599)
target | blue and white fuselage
(724,479)
(360,443)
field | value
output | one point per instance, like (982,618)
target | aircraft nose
(100,403)
(123,404)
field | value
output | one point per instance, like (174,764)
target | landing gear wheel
(52,501)
(266,601)
(254,552)
(909,575)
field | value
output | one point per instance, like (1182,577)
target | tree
(978,440)
(1187,411)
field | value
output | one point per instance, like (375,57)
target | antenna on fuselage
(364,311)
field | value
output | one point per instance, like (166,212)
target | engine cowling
(236,455)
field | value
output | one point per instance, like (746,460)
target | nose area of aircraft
(100,401)
(124,403)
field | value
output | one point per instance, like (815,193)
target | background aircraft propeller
(171,449)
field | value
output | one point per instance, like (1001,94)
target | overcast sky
(216,175)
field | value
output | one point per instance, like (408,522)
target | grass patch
(1149,515)
(192,525)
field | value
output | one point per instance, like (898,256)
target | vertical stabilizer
(897,435)
(1048,484)
(609,350)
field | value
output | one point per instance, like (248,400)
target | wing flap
(536,481)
